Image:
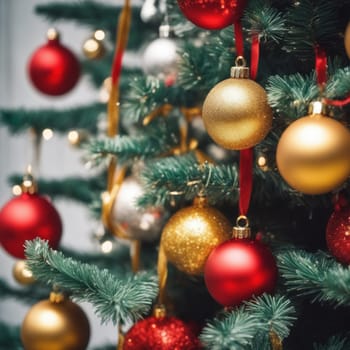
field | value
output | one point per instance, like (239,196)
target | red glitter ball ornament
(338,234)
(26,217)
(212,14)
(161,333)
(239,269)
(53,68)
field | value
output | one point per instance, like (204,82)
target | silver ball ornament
(134,222)
(160,58)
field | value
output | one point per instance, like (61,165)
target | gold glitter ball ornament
(313,153)
(57,324)
(22,274)
(236,113)
(192,233)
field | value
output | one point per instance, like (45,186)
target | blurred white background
(21,33)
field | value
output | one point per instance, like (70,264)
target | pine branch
(77,188)
(336,342)
(156,139)
(276,311)
(99,16)
(242,328)
(291,95)
(99,70)
(29,294)
(61,121)
(116,300)
(176,178)
(173,180)
(312,23)
(315,275)
(195,69)
(234,331)
(10,337)
(265,20)
(338,85)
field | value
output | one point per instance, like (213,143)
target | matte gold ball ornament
(192,233)
(236,113)
(313,153)
(22,274)
(55,324)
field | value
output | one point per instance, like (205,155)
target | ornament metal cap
(200,201)
(56,297)
(164,31)
(240,70)
(242,229)
(52,34)
(28,183)
(317,107)
(159,311)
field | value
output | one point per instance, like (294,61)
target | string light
(47,134)
(16,190)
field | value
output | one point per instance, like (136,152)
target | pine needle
(116,300)
(316,275)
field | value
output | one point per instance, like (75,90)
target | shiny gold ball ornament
(57,324)
(313,153)
(192,233)
(93,47)
(236,113)
(347,40)
(22,274)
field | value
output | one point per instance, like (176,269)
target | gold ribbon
(108,199)
(113,102)
(113,120)
(162,270)
(135,255)
(275,340)
(121,338)
(188,112)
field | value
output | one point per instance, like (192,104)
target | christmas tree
(219,163)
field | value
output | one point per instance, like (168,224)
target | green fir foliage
(120,300)
(83,190)
(84,117)
(154,140)
(243,328)
(336,342)
(97,15)
(317,276)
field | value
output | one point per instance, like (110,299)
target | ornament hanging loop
(240,70)
(242,229)
(240,61)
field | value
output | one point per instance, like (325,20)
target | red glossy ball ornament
(26,217)
(239,269)
(53,68)
(338,234)
(212,14)
(161,333)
